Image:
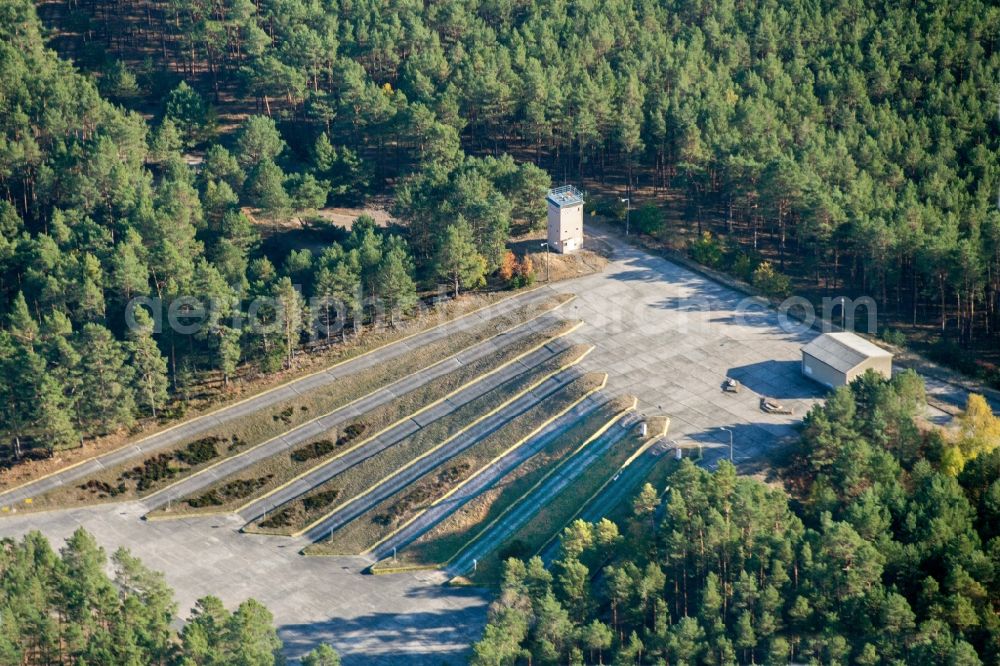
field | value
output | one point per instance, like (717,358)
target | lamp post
(546,246)
(628,209)
(730,442)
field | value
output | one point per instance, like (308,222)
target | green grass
(383,519)
(442,542)
(554,516)
(267,424)
(299,513)
(286,466)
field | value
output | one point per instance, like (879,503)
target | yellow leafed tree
(979,429)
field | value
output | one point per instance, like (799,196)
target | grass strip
(172,464)
(380,521)
(647,443)
(302,513)
(444,541)
(211,402)
(554,516)
(267,476)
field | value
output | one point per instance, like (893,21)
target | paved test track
(486,478)
(623,486)
(569,470)
(459,443)
(196,426)
(401,431)
(322,425)
(662,332)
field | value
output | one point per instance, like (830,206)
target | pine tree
(149,367)
(457,258)
(395,282)
(290,316)
(21,325)
(54,420)
(323,655)
(267,190)
(106,399)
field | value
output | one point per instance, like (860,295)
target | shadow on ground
(781,380)
(384,639)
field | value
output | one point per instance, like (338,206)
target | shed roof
(843,351)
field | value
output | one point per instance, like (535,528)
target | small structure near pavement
(836,359)
(565,219)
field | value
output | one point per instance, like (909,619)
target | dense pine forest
(884,550)
(851,145)
(62,608)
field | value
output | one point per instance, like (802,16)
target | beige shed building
(836,359)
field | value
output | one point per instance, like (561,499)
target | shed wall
(819,371)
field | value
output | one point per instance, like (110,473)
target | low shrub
(770,281)
(285,415)
(102,488)
(320,500)
(236,489)
(894,337)
(706,250)
(422,493)
(316,449)
(153,469)
(200,451)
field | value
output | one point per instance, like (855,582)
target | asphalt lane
(321,426)
(195,427)
(453,447)
(400,431)
(486,478)
(569,470)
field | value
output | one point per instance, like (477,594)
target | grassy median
(385,517)
(266,476)
(144,476)
(554,516)
(298,514)
(442,542)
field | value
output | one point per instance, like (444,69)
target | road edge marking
(369,438)
(587,442)
(518,444)
(276,387)
(437,447)
(583,505)
(353,401)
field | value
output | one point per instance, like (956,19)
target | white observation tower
(565,219)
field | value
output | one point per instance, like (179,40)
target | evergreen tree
(149,368)
(106,399)
(457,258)
(395,282)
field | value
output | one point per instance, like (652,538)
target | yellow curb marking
(485,467)
(434,449)
(277,387)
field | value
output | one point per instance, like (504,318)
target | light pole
(546,246)
(628,209)
(730,442)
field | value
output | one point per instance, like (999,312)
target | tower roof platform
(567,195)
